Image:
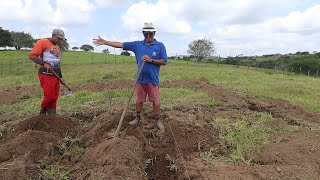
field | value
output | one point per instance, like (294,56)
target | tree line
(22,39)
(201,50)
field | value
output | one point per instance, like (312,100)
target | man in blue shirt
(154,54)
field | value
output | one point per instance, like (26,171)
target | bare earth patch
(189,148)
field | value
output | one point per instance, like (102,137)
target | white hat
(148,27)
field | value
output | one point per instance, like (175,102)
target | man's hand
(47,66)
(99,41)
(146,58)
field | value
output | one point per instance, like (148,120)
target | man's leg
(48,84)
(141,95)
(153,93)
(46,100)
(43,110)
(56,91)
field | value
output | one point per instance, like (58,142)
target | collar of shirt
(154,42)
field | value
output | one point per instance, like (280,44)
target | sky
(236,27)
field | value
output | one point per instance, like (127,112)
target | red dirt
(17,94)
(141,152)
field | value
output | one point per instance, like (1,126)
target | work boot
(52,111)
(136,120)
(158,122)
(43,110)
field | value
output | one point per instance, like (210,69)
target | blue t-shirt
(156,50)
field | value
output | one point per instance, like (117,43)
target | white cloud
(303,23)
(180,15)
(44,12)
(232,11)
(112,2)
(236,26)
(70,12)
(291,33)
(160,13)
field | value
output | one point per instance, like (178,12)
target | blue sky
(248,27)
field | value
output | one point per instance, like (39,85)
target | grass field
(222,125)
(97,67)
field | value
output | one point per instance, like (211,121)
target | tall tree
(106,51)
(22,40)
(125,53)
(64,45)
(201,48)
(5,38)
(86,47)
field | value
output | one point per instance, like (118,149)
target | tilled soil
(88,150)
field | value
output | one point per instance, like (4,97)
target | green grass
(87,100)
(68,144)
(297,89)
(54,172)
(248,134)
(300,90)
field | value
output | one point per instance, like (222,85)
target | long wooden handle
(127,105)
(56,75)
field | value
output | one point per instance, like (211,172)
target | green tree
(106,51)
(201,48)
(125,53)
(22,40)
(64,45)
(305,64)
(86,47)
(5,38)
(75,48)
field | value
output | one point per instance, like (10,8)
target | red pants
(147,88)
(51,88)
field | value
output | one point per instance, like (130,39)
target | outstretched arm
(101,41)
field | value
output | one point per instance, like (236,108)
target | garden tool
(67,92)
(127,105)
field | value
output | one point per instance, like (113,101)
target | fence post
(308,72)
(300,70)
(115,57)
(78,58)
(92,58)
(10,65)
(23,64)
(17,65)
(1,67)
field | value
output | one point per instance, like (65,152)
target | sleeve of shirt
(163,53)
(131,46)
(38,48)
(36,52)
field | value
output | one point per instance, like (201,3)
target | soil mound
(113,159)
(56,125)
